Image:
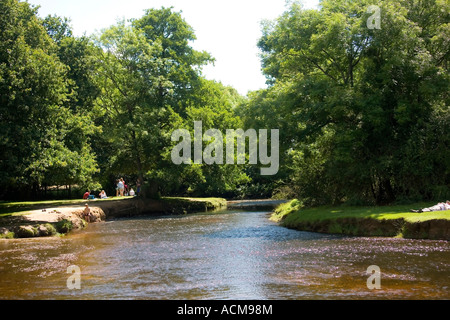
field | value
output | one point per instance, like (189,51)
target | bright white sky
(227,29)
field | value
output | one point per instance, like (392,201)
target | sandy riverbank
(63,219)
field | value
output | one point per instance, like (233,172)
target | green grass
(384,221)
(293,212)
(188,205)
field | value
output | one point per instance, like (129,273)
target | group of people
(121,191)
(88,196)
(442,206)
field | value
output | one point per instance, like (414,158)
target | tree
(57,28)
(354,99)
(147,72)
(214,105)
(181,64)
(36,127)
(126,75)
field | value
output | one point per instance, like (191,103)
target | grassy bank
(8,209)
(189,205)
(387,221)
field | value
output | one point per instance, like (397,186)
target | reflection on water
(232,255)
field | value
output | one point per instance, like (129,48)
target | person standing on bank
(138,187)
(121,187)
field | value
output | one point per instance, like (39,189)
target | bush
(64,226)
(285,209)
(8,235)
(51,229)
(47,230)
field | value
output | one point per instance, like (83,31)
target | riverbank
(250,205)
(49,218)
(389,221)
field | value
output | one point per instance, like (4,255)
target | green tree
(36,126)
(57,28)
(147,72)
(214,105)
(355,100)
(181,64)
(126,75)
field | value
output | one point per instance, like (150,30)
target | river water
(229,255)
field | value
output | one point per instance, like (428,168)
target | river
(229,255)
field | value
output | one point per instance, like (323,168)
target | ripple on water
(231,255)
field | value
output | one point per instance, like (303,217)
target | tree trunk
(387,186)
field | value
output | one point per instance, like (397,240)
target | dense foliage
(83,112)
(362,112)
(43,140)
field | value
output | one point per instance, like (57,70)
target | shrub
(47,230)
(64,226)
(7,235)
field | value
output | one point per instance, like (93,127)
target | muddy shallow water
(229,255)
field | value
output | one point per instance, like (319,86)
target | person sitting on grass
(442,206)
(87,195)
(103,195)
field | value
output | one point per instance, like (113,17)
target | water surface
(229,255)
